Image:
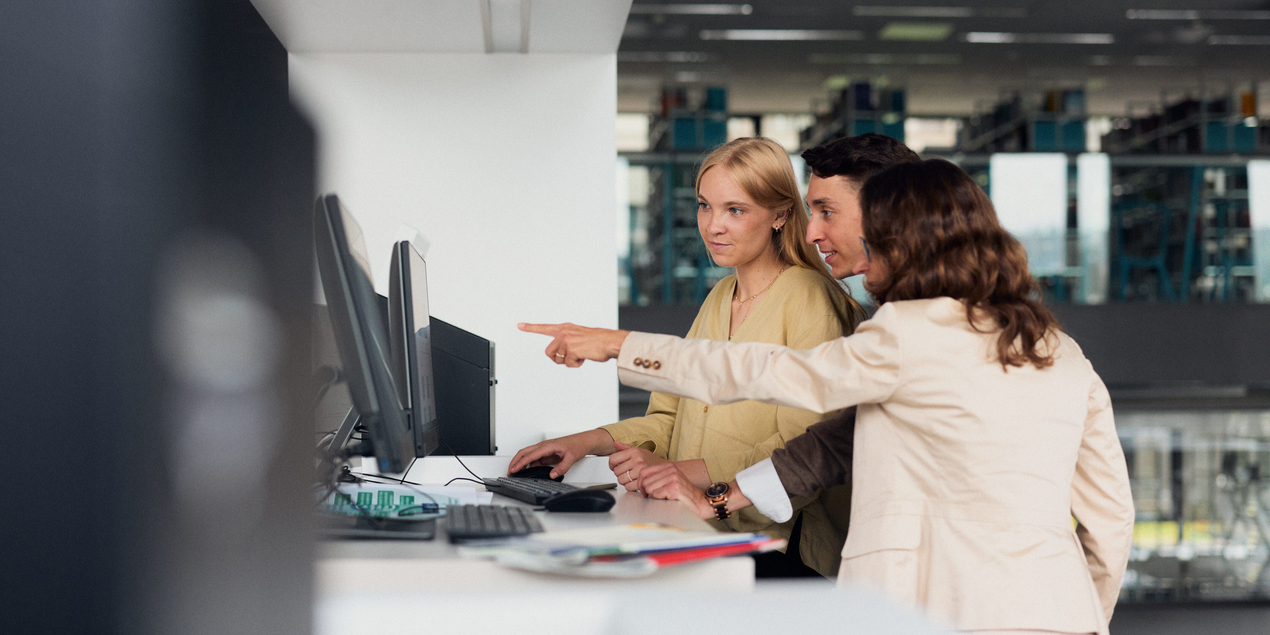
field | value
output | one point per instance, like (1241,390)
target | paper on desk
(636,567)
(579,563)
(390,499)
(636,539)
(577,546)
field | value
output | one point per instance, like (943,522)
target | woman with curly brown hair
(981,429)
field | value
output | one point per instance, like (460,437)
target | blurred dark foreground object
(155,270)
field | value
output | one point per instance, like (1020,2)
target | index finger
(541,329)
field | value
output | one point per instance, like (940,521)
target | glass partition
(1201,487)
(1099,228)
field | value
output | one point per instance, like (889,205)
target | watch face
(716,490)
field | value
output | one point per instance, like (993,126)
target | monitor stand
(344,432)
(346,527)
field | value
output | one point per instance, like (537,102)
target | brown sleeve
(819,458)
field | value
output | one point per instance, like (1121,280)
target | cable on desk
(403,474)
(463,478)
(378,478)
(456,458)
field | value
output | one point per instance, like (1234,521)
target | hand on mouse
(628,462)
(562,452)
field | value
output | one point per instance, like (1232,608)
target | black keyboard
(468,522)
(530,490)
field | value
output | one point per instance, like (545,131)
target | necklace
(751,307)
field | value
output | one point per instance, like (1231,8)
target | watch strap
(721,509)
(720,503)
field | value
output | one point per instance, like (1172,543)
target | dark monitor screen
(410,329)
(359,333)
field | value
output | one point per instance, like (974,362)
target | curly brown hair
(937,235)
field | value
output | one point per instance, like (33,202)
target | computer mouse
(583,500)
(540,472)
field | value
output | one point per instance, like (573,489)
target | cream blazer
(966,477)
(800,310)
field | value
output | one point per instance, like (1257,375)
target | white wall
(505,164)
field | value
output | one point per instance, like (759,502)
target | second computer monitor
(359,336)
(410,333)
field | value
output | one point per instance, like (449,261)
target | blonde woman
(751,217)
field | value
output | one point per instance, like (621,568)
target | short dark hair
(858,157)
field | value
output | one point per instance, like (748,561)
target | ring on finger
(559,355)
(628,477)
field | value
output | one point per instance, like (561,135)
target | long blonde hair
(762,168)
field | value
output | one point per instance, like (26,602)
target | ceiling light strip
(993,37)
(893,59)
(1195,14)
(1237,40)
(937,12)
(691,9)
(1163,60)
(776,35)
(916,31)
(658,57)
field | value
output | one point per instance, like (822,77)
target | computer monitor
(410,334)
(360,337)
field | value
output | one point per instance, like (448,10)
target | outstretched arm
(862,368)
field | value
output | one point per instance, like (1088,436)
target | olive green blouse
(800,310)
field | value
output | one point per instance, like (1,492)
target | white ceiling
(1224,46)
(439,26)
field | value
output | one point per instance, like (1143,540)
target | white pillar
(1029,192)
(1093,220)
(1259,212)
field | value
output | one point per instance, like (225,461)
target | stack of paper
(621,551)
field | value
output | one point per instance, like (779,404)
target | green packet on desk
(390,500)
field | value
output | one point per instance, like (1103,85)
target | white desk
(434,565)
(771,608)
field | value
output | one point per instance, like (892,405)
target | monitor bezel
(359,337)
(405,353)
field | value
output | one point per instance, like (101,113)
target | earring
(780,226)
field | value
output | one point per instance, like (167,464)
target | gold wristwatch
(717,496)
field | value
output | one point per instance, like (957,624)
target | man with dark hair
(822,457)
(838,170)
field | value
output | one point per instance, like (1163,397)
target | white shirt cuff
(763,487)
